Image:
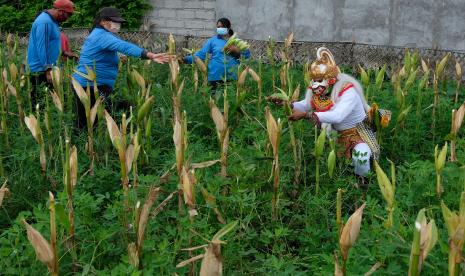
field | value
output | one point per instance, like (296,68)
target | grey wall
(411,23)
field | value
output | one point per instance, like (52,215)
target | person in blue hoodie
(101,50)
(45,45)
(219,69)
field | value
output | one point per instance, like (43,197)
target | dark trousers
(39,81)
(105,91)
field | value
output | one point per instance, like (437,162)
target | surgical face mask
(222,31)
(115,27)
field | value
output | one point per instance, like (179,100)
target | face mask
(317,84)
(114,27)
(222,31)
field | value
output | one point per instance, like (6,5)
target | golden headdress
(324,67)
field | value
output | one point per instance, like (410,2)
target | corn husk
(351,231)
(364,76)
(200,64)
(440,157)
(144,215)
(458,120)
(331,163)
(94,110)
(3,192)
(242,77)
(73,166)
(56,101)
(274,130)
(82,95)
(458,71)
(385,185)
(320,143)
(34,127)
(380,77)
(424,66)
(115,134)
(145,108)
(41,246)
(212,262)
(217,117)
(441,65)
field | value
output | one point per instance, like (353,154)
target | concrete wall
(411,23)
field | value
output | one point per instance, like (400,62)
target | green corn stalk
(438,72)
(339,212)
(319,147)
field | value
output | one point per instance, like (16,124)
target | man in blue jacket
(45,44)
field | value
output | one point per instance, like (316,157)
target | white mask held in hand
(115,27)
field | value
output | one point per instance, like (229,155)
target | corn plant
(421,86)
(388,190)
(34,126)
(14,90)
(45,251)
(91,113)
(457,119)
(173,64)
(319,148)
(211,201)
(458,77)
(455,224)
(438,73)
(274,135)
(425,237)
(135,249)
(349,235)
(365,78)
(439,162)
(339,212)
(70,179)
(212,260)
(125,153)
(222,131)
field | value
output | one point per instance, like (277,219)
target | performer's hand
(297,115)
(277,101)
(48,75)
(160,58)
(232,49)
(123,59)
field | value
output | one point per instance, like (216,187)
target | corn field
(172,179)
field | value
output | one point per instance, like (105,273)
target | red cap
(64,5)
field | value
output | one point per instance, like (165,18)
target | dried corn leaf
(73,165)
(217,117)
(129,157)
(56,101)
(82,95)
(205,164)
(3,191)
(94,110)
(41,246)
(34,127)
(188,261)
(254,75)
(114,132)
(144,215)
(200,64)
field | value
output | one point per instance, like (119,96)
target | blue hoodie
(216,64)
(44,43)
(102,47)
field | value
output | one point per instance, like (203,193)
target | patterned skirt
(361,133)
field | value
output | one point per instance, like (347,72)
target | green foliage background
(18,15)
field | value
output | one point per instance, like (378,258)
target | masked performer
(335,100)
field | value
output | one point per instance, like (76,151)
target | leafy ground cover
(300,237)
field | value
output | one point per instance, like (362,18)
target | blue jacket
(102,47)
(216,64)
(44,43)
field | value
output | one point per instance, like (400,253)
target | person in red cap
(45,44)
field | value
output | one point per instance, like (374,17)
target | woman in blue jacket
(219,69)
(101,50)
